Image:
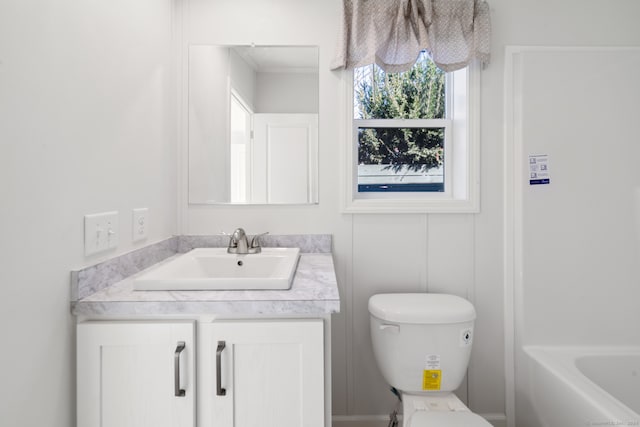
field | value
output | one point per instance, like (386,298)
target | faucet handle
(255,242)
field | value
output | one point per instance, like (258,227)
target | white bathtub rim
(560,360)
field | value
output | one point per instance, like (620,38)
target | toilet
(422,344)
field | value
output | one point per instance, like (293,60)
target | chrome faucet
(239,243)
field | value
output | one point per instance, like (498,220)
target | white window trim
(462,191)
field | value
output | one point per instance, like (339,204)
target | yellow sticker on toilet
(431,379)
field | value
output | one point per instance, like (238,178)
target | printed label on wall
(431,379)
(539,169)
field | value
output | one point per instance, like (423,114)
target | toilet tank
(422,342)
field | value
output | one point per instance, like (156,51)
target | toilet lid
(421,308)
(447,419)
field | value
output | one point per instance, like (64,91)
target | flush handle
(178,392)
(219,390)
(394,329)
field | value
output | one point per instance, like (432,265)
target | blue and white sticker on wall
(539,169)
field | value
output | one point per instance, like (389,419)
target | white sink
(215,269)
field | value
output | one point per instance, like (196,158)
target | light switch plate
(100,232)
(140,221)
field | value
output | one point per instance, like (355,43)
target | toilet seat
(447,419)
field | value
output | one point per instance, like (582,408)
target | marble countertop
(314,292)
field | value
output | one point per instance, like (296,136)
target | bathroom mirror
(253,124)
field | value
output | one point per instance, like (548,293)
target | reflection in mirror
(253,124)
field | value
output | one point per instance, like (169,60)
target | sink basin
(215,269)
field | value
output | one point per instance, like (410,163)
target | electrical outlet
(100,232)
(140,224)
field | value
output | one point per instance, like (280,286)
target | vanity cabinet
(269,350)
(220,373)
(136,374)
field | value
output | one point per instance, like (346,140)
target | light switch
(112,230)
(100,232)
(140,224)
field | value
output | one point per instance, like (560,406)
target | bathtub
(582,386)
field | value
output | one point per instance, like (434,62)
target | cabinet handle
(219,390)
(178,392)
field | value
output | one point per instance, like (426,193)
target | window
(401,125)
(414,144)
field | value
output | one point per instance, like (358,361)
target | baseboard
(496,420)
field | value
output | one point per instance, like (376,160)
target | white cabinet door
(128,373)
(272,373)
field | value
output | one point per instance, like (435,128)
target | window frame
(462,168)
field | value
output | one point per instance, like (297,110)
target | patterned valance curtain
(392,33)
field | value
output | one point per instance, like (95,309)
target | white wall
(460,253)
(87,124)
(208,120)
(286,93)
(583,288)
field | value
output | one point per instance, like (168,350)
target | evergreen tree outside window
(402,128)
